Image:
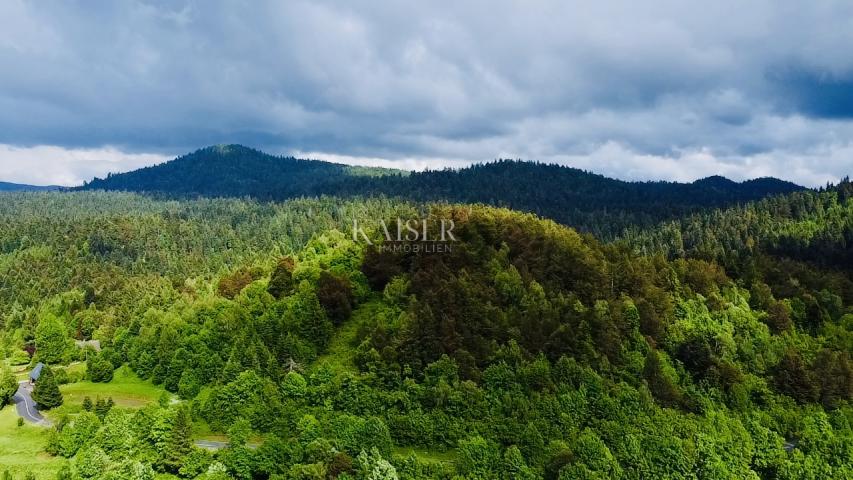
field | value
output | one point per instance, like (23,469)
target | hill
(19,187)
(525,350)
(234,171)
(581,199)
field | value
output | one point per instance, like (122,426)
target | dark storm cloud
(816,93)
(663,89)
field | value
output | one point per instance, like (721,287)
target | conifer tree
(180,442)
(46,392)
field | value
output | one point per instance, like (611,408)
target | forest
(709,340)
(583,200)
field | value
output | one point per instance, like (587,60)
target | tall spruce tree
(180,443)
(46,392)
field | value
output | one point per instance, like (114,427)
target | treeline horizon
(587,201)
(714,345)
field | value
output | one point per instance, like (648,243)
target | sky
(658,89)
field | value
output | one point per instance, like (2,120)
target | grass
(76,367)
(22,448)
(22,371)
(339,353)
(202,431)
(426,455)
(126,389)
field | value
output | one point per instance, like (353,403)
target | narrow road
(219,445)
(210,444)
(27,410)
(26,406)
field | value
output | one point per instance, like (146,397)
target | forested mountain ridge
(19,187)
(581,199)
(794,242)
(234,171)
(527,350)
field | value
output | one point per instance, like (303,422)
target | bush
(61,376)
(18,357)
(99,369)
(8,385)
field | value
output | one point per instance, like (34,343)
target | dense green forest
(716,345)
(583,200)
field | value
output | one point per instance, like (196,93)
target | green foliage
(281,279)
(478,458)
(75,433)
(662,380)
(46,392)
(51,338)
(180,442)
(572,196)
(103,407)
(99,369)
(8,385)
(525,351)
(335,295)
(371,466)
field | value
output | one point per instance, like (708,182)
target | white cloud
(618,161)
(51,165)
(434,83)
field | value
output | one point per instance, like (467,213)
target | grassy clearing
(22,448)
(76,368)
(22,371)
(126,389)
(202,431)
(341,348)
(426,455)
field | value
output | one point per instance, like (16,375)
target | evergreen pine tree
(232,368)
(46,392)
(100,408)
(180,443)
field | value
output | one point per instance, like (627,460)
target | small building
(36,373)
(93,344)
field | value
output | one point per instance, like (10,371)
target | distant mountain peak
(562,193)
(20,187)
(715,181)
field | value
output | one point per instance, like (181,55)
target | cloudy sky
(637,90)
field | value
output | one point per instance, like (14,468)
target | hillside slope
(524,351)
(584,200)
(20,187)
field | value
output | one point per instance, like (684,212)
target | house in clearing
(36,373)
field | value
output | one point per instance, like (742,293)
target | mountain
(798,244)
(232,170)
(19,187)
(520,350)
(587,201)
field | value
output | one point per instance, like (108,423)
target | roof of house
(96,344)
(36,373)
